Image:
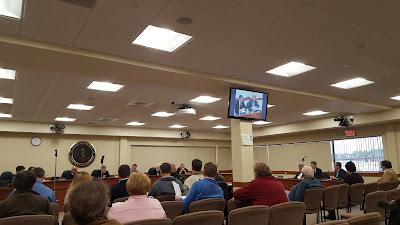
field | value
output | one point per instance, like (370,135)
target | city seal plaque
(82,154)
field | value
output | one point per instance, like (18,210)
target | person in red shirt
(263,190)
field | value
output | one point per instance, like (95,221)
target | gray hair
(307,172)
(103,167)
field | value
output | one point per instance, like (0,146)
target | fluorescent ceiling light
(161,39)
(177,126)
(105,86)
(396,98)
(220,127)
(6,100)
(80,107)
(7,74)
(162,114)
(210,118)
(205,99)
(135,124)
(5,115)
(11,8)
(65,119)
(353,83)
(291,69)
(269,106)
(315,113)
(261,123)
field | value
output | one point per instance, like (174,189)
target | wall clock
(36,141)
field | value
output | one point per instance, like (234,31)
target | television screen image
(244,104)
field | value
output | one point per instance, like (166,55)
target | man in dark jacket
(339,172)
(102,172)
(317,171)
(253,105)
(167,184)
(68,174)
(119,190)
(175,174)
(240,107)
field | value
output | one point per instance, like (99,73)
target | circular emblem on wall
(82,154)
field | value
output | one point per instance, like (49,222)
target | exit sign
(350,133)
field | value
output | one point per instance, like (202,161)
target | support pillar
(124,151)
(242,155)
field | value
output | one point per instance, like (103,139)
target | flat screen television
(249,105)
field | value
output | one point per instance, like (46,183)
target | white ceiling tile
(220,6)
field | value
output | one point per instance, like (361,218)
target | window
(366,153)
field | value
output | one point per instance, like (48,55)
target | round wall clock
(36,141)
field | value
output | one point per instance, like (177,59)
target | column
(242,155)
(391,145)
(124,151)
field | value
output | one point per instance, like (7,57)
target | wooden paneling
(289,183)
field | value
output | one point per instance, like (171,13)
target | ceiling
(234,38)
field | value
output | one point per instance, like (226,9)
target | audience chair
(287,213)
(66,208)
(151,222)
(391,195)
(371,204)
(212,217)
(56,210)
(231,205)
(330,199)
(207,204)
(120,199)
(336,222)
(172,208)
(366,219)
(254,215)
(369,188)
(28,219)
(343,198)
(356,195)
(385,186)
(68,220)
(312,199)
(395,184)
(161,198)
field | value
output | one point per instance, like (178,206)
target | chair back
(66,208)
(68,219)
(122,199)
(371,202)
(172,209)
(371,187)
(366,219)
(287,213)
(212,217)
(56,210)
(312,199)
(161,198)
(330,197)
(336,222)
(395,184)
(343,196)
(151,222)
(392,194)
(28,219)
(254,215)
(385,186)
(207,204)
(231,205)
(356,194)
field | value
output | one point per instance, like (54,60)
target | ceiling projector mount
(184,109)
(344,121)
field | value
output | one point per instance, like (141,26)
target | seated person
(25,201)
(88,204)
(69,174)
(20,168)
(167,184)
(388,173)
(134,168)
(317,171)
(203,189)
(352,177)
(253,105)
(102,172)
(6,179)
(79,178)
(394,207)
(263,190)
(222,184)
(138,206)
(31,168)
(197,164)
(119,190)
(298,191)
(154,170)
(182,169)
(339,172)
(240,107)
(175,174)
(299,175)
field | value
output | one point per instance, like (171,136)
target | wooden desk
(289,183)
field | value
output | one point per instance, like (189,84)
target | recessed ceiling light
(205,99)
(210,118)
(80,107)
(65,119)
(220,127)
(261,123)
(5,115)
(291,69)
(105,86)
(161,39)
(396,98)
(315,113)
(11,8)
(135,124)
(177,126)
(162,114)
(353,83)
(6,100)
(269,106)
(7,74)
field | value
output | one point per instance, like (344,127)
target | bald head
(307,172)
(173,167)
(74,170)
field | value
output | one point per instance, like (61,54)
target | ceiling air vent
(84,3)
(107,119)
(140,103)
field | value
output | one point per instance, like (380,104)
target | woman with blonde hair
(79,178)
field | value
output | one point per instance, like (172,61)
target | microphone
(56,153)
(102,159)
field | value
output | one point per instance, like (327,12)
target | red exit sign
(350,133)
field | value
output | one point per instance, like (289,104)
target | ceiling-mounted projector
(185,110)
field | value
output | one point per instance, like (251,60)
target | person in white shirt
(197,164)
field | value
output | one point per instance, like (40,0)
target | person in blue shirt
(39,187)
(202,189)
(298,191)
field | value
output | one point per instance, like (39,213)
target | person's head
(103,169)
(138,184)
(39,172)
(74,170)
(82,152)
(240,97)
(88,202)
(165,169)
(307,172)
(182,166)
(386,164)
(80,178)
(31,168)
(313,165)
(254,97)
(173,167)
(350,167)
(24,180)
(261,170)
(158,166)
(197,164)
(338,165)
(124,171)
(210,170)
(301,167)
(134,167)
(7,175)
(20,168)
